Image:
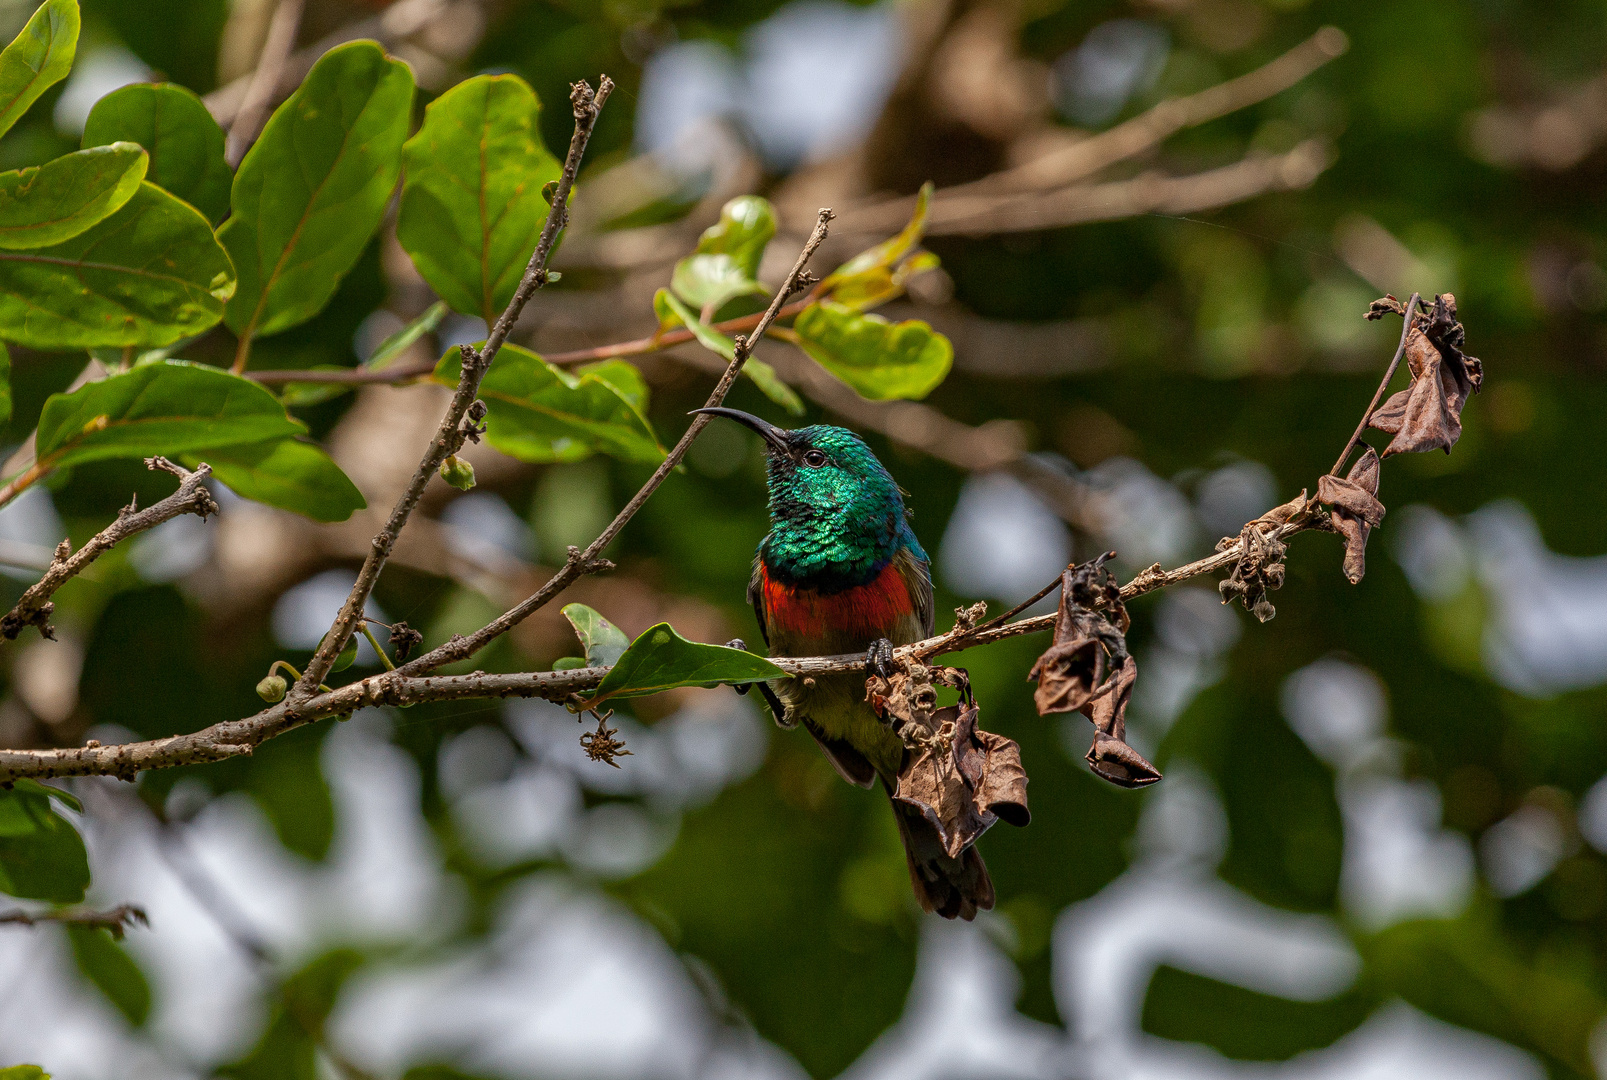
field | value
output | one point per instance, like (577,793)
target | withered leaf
(1110,757)
(1258,571)
(962,780)
(1427,415)
(1355,510)
(1086,643)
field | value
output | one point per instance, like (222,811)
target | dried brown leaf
(962,780)
(1427,415)
(1087,642)
(1110,757)
(1355,510)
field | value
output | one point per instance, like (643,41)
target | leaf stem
(369,634)
(1400,350)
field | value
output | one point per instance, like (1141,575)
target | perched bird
(842,572)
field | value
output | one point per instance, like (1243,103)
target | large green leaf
(726,262)
(536,412)
(879,359)
(106,964)
(23,1072)
(60,199)
(184,142)
(661,660)
(41,854)
(471,204)
(37,59)
(314,187)
(150,274)
(605,643)
(624,376)
(287,473)
(671,312)
(173,407)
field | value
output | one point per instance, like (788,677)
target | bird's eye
(814,459)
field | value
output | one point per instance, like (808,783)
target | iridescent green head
(836,515)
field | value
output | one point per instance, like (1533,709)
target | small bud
(458,473)
(272,688)
(549,190)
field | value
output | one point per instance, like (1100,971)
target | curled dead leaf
(964,780)
(1087,642)
(1427,415)
(1354,509)
(1110,757)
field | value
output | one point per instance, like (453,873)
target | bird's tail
(954,888)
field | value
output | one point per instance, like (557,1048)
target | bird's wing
(917,575)
(756,598)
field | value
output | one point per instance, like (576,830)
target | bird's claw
(777,710)
(738,643)
(879,658)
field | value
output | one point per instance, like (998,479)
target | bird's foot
(879,658)
(777,710)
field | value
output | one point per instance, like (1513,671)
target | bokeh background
(1378,848)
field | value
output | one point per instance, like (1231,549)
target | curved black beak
(774,436)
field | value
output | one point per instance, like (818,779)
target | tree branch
(584,562)
(276,48)
(192,497)
(403,687)
(449,436)
(117,920)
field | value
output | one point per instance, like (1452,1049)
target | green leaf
(674,313)
(348,655)
(24,1072)
(37,59)
(107,964)
(879,359)
(41,854)
(624,377)
(1248,1025)
(174,407)
(314,187)
(880,284)
(60,199)
(726,262)
(184,142)
(605,643)
(891,250)
(398,343)
(287,473)
(150,274)
(661,660)
(471,204)
(536,412)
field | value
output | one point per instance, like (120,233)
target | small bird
(842,572)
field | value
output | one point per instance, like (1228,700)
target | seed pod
(272,688)
(458,473)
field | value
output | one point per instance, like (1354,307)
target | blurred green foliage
(1235,336)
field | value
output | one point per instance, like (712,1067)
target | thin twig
(475,362)
(117,920)
(584,562)
(192,497)
(276,48)
(1366,417)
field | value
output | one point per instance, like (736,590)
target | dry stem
(192,497)
(449,437)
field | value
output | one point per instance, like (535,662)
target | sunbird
(842,572)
